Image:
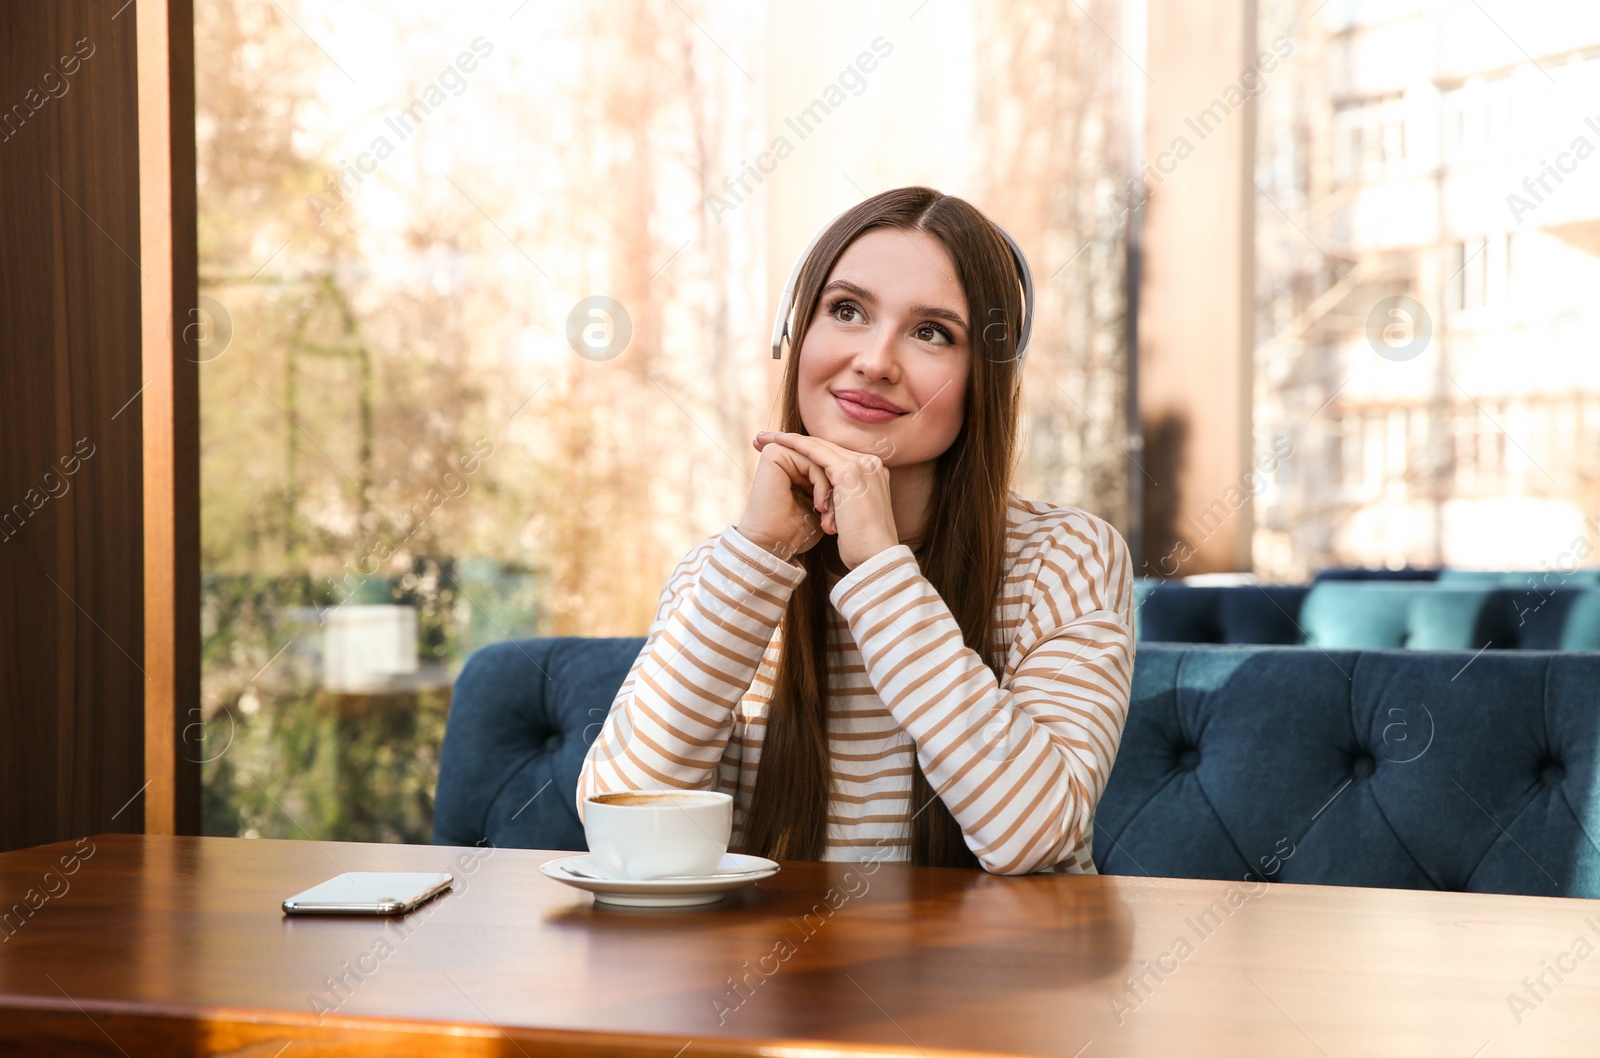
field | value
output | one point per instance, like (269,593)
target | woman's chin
(846,432)
(858,437)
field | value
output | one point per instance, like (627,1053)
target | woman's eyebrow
(940,314)
(866,295)
(860,292)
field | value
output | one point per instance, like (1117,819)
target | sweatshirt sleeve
(669,723)
(1020,762)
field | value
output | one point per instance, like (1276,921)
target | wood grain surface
(72,685)
(170,416)
(177,945)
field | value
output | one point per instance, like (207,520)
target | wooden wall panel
(171,407)
(74,677)
(1196,296)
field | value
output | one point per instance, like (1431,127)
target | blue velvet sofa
(1427,770)
(1454,614)
(1179,613)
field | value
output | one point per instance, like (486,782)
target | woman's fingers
(811,467)
(804,471)
(821,487)
(806,474)
(842,470)
(792,463)
(815,448)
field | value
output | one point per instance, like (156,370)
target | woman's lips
(862,413)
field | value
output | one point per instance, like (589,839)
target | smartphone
(369,893)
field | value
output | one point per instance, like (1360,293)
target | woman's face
(891,323)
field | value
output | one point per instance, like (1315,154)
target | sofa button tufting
(1553,773)
(1189,758)
(1363,766)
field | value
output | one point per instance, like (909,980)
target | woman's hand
(850,489)
(786,498)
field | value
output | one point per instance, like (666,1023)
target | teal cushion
(1581,630)
(1452,618)
(1367,615)
(1357,615)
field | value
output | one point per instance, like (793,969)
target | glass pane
(1445,289)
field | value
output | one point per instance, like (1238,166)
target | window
(1465,454)
(429,224)
(1369,139)
(1514,314)
(1479,273)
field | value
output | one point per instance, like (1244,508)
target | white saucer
(733,872)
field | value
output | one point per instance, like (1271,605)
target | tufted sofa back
(1179,613)
(1368,573)
(1414,770)
(522,716)
(1373,615)
(1434,770)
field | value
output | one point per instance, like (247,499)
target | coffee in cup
(642,834)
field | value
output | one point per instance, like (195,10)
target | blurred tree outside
(1052,144)
(390,329)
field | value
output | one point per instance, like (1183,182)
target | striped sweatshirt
(1020,762)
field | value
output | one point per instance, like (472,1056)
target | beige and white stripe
(1020,762)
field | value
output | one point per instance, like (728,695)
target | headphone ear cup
(786,300)
(1025,279)
(780,326)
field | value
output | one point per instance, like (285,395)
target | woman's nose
(877,353)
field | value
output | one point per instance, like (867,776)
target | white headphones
(780,324)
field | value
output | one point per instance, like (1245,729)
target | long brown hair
(963,544)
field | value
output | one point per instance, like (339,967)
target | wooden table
(178,946)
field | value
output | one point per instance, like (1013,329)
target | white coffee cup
(642,834)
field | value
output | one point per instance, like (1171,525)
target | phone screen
(369,893)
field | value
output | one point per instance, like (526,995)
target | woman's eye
(842,306)
(936,328)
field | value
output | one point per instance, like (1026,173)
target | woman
(892,655)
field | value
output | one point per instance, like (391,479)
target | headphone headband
(780,324)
